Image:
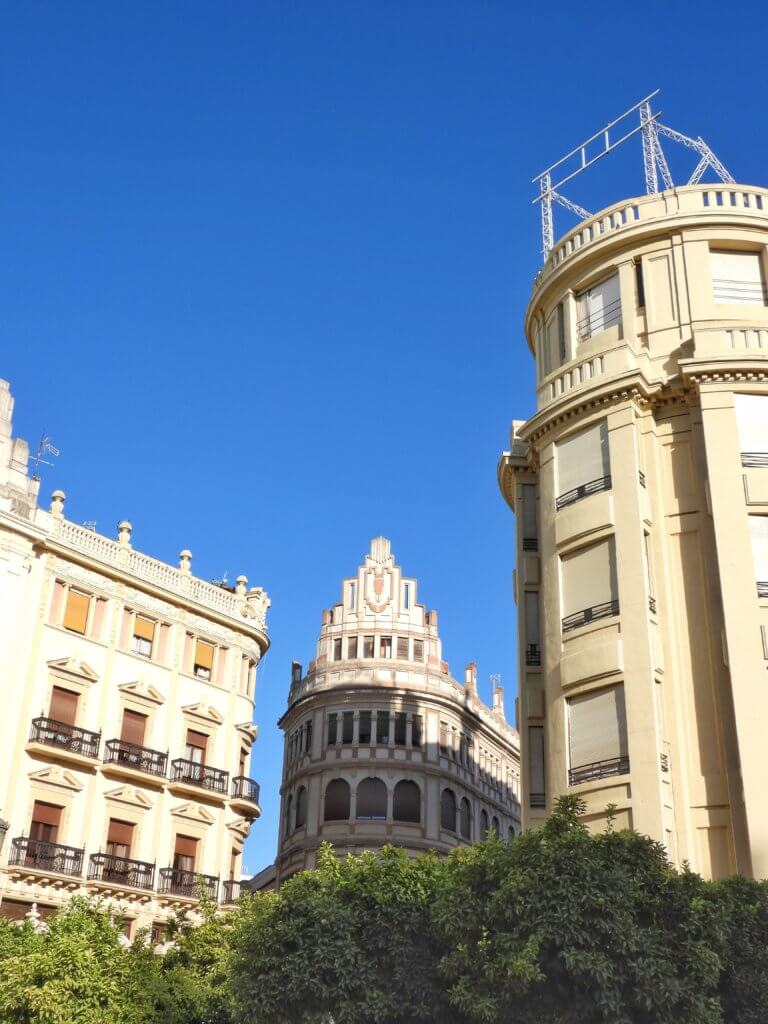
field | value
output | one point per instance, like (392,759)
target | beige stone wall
(686,641)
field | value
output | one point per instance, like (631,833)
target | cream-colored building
(128,694)
(640,488)
(382,744)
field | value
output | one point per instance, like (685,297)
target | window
(401,720)
(367,646)
(133,728)
(385,647)
(143,636)
(301,808)
(406,802)
(416,731)
(648,575)
(203,663)
(288,807)
(737,278)
(351,647)
(242,762)
(418,650)
(530,531)
(589,586)
(382,727)
(308,738)
(465,819)
(63,706)
(46,819)
(336,805)
(752,419)
(406,596)
(555,340)
(444,739)
(332,725)
(597,734)
(372,800)
(184,853)
(484,824)
(119,838)
(364,727)
(448,810)
(495,825)
(639,284)
(583,464)
(532,647)
(758,529)
(76,611)
(599,308)
(347,726)
(351,595)
(197,743)
(536,765)
(402,648)
(337,649)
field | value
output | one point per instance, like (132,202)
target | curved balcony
(45,857)
(245,791)
(65,737)
(121,754)
(598,770)
(189,884)
(201,776)
(121,872)
(230,891)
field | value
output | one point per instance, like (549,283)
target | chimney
(470,680)
(498,702)
(296,671)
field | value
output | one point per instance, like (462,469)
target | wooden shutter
(76,611)
(589,577)
(536,758)
(758,529)
(46,814)
(120,833)
(597,726)
(737,277)
(185,845)
(402,647)
(144,628)
(583,457)
(243,759)
(133,728)
(204,655)
(63,706)
(196,741)
(752,417)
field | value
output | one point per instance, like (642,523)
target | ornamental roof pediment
(193,812)
(80,670)
(142,691)
(240,827)
(58,777)
(248,730)
(129,795)
(204,712)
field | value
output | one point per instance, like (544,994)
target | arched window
(372,800)
(494,824)
(336,801)
(288,804)
(301,808)
(406,805)
(483,824)
(465,819)
(448,810)
(511,833)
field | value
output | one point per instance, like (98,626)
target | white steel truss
(601,143)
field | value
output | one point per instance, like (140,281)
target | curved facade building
(382,744)
(640,488)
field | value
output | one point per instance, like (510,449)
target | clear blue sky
(265,266)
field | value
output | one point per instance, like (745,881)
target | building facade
(128,692)
(382,744)
(640,488)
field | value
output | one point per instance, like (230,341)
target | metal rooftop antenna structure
(46,447)
(654,162)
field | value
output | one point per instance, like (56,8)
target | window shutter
(203,655)
(531,617)
(63,706)
(583,457)
(133,727)
(536,758)
(597,726)
(120,832)
(197,743)
(184,853)
(46,814)
(76,611)
(144,628)
(758,528)
(752,417)
(589,577)
(737,277)
(529,511)
(57,600)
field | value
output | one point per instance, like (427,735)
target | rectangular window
(133,728)
(119,838)
(589,586)
(752,419)
(332,727)
(639,285)
(530,530)
(351,647)
(367,646)
(532,648)
(76,611)
(758,529)
(385,647)
(351,595)
(46,819)
(184,853)
(536,765)
(364,727)
(382,727)
(599,308)
(63,706)
(648,574)
(337,649)
(406,596)
(444,738)
(197,744)
(416,731)
(143,636)
(583,464)
(597,734)
(308,738)
(203,664)
(542,349)
(347,726)
(402,648)
(418,650)
(401,720)
(737,278)
(555,339)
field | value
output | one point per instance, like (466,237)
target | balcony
(121,871)
(603,483)
(230,891)
(47,857)
(201,775)
(586,615)
(175,882)
(65,737)
(598,770)
(139,759)
(762,588)
(245,789)
(754,460)
(532,654)
(600,320)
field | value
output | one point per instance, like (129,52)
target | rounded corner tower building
(382,744)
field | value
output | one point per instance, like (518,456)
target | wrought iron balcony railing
(600,320)
(754,460)
(536,799)
(598,611)
(532,654)
(105,867)
(598,770)
(762,588)
(244,788)
(131,755)
(652,604)
(230,891)
(603,483)
(641,477)
(44,856)
(65,736)
(176,882)
(214,779)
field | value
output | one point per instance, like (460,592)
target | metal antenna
(654,163)
(45,447)
(495,679)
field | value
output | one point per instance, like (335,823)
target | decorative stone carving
(57,777)
(193,812)
(142,691)
(129,795)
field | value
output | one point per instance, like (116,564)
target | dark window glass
(367,646)
(331,730)
(365,727)
(406,802)
(337,650)
(348,726)
(448,810)
(402,647)
(418,650)
(416,731)
(400,720)
(336,801)
(351,647)
(382,727)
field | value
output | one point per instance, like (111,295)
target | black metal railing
(214,779)
(664,762)
(230,891)
(187,883)
(601,320)
(532,654)
(598,770)
(530,543)
(762,588)
(43,856)
(602,483)
(757,460)
(641,476)
(131,755)
(727,289)
(106,867)
(598,611)
(67,737)
(536,799)
(652,604)
(244,788)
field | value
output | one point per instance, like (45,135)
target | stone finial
(185,560)
(124,530)
(470,679)
(57,503)
(241,586)
(296,671)
(498,701)
(326,616)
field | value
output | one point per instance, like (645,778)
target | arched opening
(336,801)
(483,824)
(288,805)
(465,819)
(495,825)
(301,808)
(372,800)
(448,810)
(406,804)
